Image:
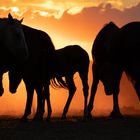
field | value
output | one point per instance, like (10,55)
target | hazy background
(70,22)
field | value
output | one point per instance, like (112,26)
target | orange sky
(70,23)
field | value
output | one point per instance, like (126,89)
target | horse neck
(38,40)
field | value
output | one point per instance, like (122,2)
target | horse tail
(58,82)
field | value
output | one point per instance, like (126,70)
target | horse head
(15,76)
(13,44)
(110,75)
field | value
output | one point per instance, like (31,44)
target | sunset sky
(70,22)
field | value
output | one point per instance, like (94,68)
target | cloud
(75,10)
(82,28)
(89,20)
(76,23)
(57,8)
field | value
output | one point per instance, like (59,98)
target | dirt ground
(71,129)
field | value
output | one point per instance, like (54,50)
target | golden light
(57,19)
(75,10)
(41,13)
(14,0)
(117,4)
(15,9)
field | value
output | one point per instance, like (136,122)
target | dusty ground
(72,129)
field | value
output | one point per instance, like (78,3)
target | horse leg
(1,86)
(72,90)
(93,90)
(47,97)
(40,104)
(84,78)
(27,112)
(116,111)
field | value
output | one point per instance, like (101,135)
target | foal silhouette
(115,50)
(46,63)
(13,48)
(71,59)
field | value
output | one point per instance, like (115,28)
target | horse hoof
(115,114)
(48,119)
(23,119)
(85,118)
(63,118)
(89,116)
(38,118)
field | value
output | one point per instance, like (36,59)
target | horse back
(72,54)
(72,58)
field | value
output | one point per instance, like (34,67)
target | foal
(70,59)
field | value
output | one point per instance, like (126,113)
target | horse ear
(21,20)
(10,18)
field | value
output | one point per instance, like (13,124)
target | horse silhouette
(70,59)
(13,48)
(46,63)
(115,50)
(39,43)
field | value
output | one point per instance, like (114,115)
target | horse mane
(6,20)
(111,23)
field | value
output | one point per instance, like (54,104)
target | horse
(115,50)
(70,59)
(13,47)
(39,69)
(39,43)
